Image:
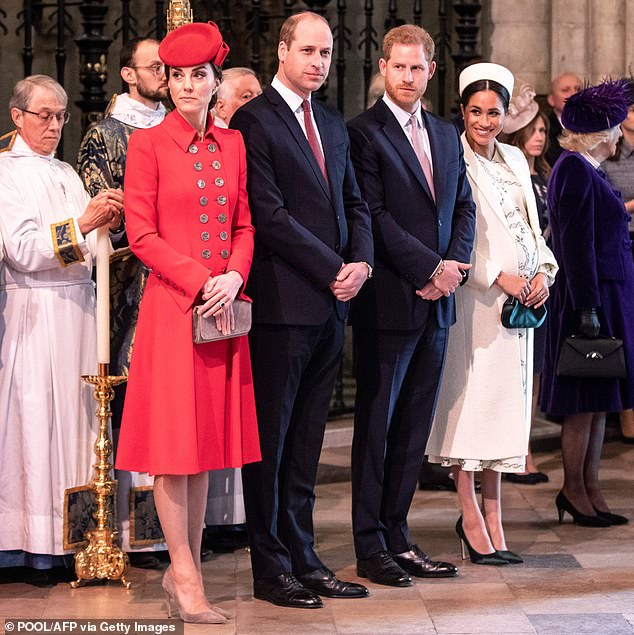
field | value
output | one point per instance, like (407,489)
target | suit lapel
(396,136)
(328,143)
(289,118)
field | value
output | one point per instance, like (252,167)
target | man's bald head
(561,88)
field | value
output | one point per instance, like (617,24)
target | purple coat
(591,242)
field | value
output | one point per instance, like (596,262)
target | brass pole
(102,558)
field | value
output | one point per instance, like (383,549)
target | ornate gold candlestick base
(101,557)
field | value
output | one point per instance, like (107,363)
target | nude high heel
(205,617)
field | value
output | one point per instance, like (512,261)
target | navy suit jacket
(305,227)
(411,232)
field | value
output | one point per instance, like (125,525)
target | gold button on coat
(220,181)
(203,201)
(192,149)
(204,218)
(206,253)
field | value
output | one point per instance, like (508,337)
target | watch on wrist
(370,269)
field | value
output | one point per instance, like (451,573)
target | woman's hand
(516,286)
(539,291)
(219,292)
(225,320)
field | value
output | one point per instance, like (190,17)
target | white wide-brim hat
(486,70)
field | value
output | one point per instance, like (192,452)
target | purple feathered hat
(597,108)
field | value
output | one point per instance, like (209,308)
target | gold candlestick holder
(102,558)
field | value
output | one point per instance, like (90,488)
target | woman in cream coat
(482,420)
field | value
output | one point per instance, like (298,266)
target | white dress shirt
(294,102)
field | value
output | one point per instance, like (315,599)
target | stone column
(520,33)
(607,41)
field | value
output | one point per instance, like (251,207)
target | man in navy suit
(313,252)
(411,172)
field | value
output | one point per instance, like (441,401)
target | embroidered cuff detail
(65,243)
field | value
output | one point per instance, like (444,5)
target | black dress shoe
(416,562)
(382,569)
(144,560)
(286,590)
(324,582)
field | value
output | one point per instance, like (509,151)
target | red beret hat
(193,44)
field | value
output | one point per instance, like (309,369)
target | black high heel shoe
(564,505)
(494,559)
(510,556)
(614,519)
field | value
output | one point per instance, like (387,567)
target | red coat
(189,407)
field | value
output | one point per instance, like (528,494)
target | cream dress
(482,419)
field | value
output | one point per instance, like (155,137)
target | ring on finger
(222,304)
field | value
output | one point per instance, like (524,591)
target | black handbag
(516,315)
(602,357)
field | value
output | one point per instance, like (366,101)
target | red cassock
(189,407)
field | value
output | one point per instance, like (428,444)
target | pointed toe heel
(492,559)
(584,520)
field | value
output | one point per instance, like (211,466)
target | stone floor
(575,580)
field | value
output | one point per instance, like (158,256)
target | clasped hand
(445,283)
(349,280)
(219,292)
(105,208)
(531,293)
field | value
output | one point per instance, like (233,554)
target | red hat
(193,44)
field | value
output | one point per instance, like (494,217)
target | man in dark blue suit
(313,251)
(411,171)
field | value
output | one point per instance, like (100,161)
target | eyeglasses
(157,69)
(63,116)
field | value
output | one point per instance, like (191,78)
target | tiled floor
(575,580)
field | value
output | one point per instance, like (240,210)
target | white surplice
(47,341)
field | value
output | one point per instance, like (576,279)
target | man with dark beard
(101,165)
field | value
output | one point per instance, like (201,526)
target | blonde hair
(24,89)
(585,141)
(408,34)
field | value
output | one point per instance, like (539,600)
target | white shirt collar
(132,112)
(402,116)
(591,160)
(21,149)
(219,123)
(293,100)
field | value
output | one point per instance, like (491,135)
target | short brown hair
(408,34)
(287,31)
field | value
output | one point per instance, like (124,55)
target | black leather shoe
(382,569)
(286,590)
(144,560)
(324,582)
(416,562)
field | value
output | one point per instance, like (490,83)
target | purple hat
(597,108)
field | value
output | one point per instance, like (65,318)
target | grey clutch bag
(204,329)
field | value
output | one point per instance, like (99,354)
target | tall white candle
(103,295)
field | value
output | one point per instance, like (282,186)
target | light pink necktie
(312,138)
(419,149)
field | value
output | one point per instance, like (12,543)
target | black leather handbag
(516,315)
(602,357)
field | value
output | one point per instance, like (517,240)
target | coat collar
(184,135)
(396,136)
(481,183)
(288,117)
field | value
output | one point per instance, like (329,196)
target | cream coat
(483,410)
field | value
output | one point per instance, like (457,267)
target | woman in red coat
(189,407)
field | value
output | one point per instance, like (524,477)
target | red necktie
(417,142)
(312,138)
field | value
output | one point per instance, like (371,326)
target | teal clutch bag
(515,315)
